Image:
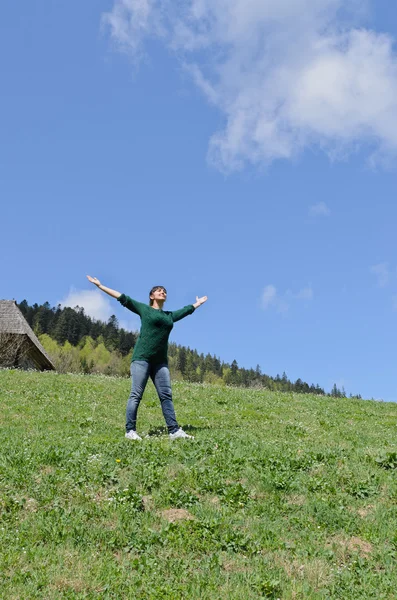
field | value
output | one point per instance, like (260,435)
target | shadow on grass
(156,431)
(194,428)
(162,430)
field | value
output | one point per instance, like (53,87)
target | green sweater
(156,325)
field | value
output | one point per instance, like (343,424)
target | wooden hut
(19,347)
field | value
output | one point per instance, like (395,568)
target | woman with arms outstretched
(149,358)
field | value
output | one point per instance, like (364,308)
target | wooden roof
(12,321)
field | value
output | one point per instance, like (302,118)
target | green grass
(279,495)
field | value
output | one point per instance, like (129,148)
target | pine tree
(73,328)
(112,333)
(217,366)
(62,328)
(298,385)
(181,360)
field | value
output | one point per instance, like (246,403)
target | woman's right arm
(107,290)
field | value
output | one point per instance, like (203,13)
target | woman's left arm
(177,315)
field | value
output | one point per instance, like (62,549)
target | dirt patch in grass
(124,558)
(148,503)
(176,514)
(31,506)
(356,544)
(231,566)
(44,471)
(364,511)
(296,500)
(47,470)
(101,496)
(344,547)
(215,501)
(74,586)
(316,572)
(64,584)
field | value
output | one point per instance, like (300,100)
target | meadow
(279,495)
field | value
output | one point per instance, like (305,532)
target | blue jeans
(160,375)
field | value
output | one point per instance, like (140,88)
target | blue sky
(241,150)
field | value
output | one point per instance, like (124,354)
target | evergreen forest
(79,344)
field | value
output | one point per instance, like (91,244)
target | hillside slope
(278,496)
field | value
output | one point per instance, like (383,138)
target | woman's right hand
(94,280)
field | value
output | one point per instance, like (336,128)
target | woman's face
(159,294)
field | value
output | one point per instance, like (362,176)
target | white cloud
(129,22)
(319,210)
(130,324)
(281,302)
(285,75)
(381,271)
(304,294)
(269,296)
(95,303)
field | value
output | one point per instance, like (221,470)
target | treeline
(73,325)
(78,343)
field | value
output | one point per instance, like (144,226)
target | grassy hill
(279,495)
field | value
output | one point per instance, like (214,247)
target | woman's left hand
(200,301)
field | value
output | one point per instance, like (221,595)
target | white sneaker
(132,435)
(180,434)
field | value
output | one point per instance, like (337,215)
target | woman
(149,358)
